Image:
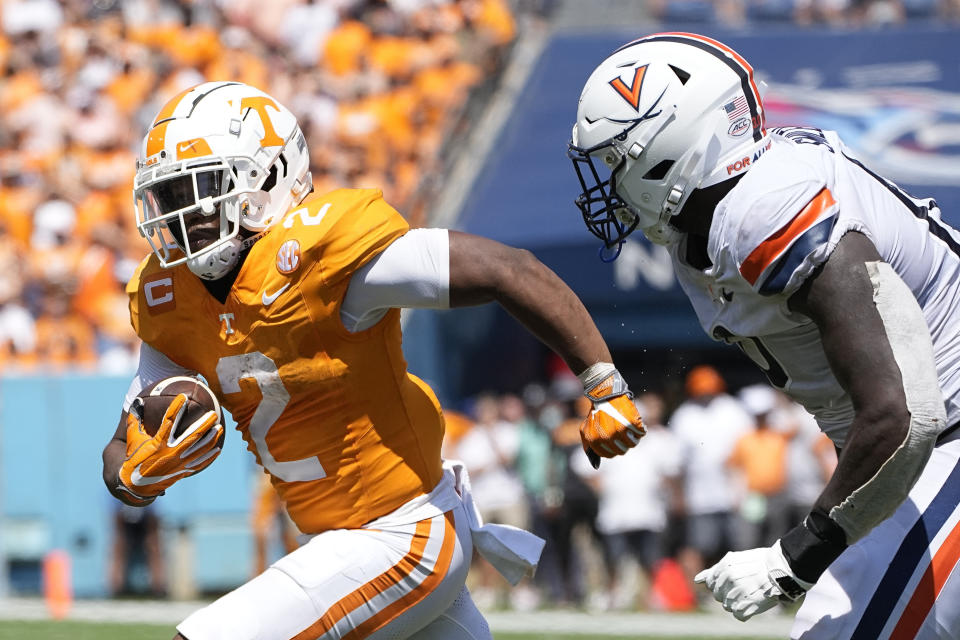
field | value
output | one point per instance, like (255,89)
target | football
(158,396)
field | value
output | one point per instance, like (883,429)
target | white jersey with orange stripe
(778,225)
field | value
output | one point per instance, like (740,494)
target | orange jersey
(347,434)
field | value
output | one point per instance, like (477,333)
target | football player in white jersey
(842,288)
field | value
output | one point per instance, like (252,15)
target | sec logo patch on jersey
(288,257)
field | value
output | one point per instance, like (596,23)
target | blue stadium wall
(52,432)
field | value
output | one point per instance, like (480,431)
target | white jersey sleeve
(413,272)
(153,366)
(777,237)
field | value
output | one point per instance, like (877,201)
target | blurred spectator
(708,424)
(456,425)
(635,493)
(542,467)
(811,457)
(270,522)
(136,545)
(63,337)
(572,512)
(832,12)
(489,451)
(17,330)
(760,456)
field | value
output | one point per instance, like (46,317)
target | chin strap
(215,264)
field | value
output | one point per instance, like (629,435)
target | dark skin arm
(839,299)
(113,456)
(483,270)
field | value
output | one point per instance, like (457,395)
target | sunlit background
(460,111)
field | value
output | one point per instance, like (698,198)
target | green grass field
(113,631)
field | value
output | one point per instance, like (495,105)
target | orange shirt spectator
(494,20)
(16,212)
(129,90)
(393,56)
(456,426)
(761,455)
(345,45)
(64,338)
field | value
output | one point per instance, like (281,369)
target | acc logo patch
(288,257)
(739,127)
(158,293)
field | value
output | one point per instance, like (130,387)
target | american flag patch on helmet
(736,108)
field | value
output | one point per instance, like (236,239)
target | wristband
(810,547)
(602,382)
(595,373)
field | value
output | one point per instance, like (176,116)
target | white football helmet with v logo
(662,116)
(222,149)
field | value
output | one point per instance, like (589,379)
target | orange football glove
(155,462)
(613,426)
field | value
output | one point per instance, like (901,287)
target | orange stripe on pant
(768,250)
(927,590)
(393,610)
(389,578)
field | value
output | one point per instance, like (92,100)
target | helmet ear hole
(659,171)
(271,180)
(682,75)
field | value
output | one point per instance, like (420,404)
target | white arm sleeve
(153,366)
(912,348)
(413,272)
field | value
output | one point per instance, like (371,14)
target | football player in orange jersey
(288,305)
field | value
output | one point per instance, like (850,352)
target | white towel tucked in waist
(513,552)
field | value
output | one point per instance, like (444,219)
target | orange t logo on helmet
(259,104)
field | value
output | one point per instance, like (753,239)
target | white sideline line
(703,625)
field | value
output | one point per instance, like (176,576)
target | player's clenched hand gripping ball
(174,430)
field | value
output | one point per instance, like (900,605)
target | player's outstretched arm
(875,339)
(483,270)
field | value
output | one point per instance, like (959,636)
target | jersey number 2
(262,370)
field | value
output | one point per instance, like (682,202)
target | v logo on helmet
(632,93)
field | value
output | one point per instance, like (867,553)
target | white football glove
(750,582)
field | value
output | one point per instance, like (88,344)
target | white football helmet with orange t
(220,149)
(662,116)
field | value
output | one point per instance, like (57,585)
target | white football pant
(899,582)
(393,582)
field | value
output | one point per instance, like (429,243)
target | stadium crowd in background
(376,86)
(634,533)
